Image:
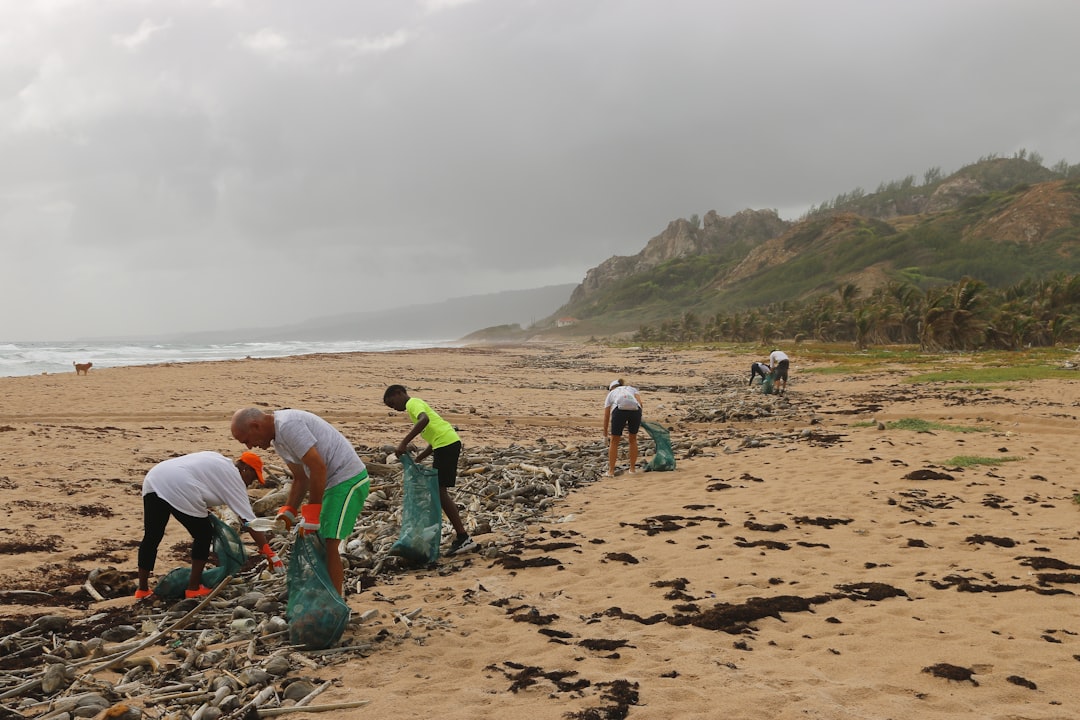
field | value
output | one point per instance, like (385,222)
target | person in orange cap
(185,488)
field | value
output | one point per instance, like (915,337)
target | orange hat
(255,462)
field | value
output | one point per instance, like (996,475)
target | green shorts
(341,505)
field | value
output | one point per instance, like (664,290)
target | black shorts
(780,373)
(629,419)
(445,460)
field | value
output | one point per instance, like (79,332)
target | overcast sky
(184,165)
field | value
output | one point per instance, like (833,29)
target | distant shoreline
(25,359)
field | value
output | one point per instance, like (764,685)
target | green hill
(1005,227)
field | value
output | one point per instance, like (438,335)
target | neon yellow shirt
(438,432)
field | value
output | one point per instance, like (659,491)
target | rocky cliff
(682,239)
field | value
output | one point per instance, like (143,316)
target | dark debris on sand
(952,672)
(736,618)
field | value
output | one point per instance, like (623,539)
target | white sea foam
(35,358)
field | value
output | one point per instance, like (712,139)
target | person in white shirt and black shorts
(622,410)
(778,362)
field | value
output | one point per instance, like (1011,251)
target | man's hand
(287,513)
(272,560)
(309,522)
(402,449)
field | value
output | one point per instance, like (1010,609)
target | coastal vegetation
(976,460)
(917,425)
(965,315)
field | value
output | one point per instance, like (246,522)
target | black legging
(156,514)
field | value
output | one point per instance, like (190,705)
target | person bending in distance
(758,368)
(326,470)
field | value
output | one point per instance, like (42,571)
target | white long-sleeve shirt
(197,482)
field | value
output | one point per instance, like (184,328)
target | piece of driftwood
(306,700)
(265,694)
(89,587)
(272,712)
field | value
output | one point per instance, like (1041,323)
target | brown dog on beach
(82,368)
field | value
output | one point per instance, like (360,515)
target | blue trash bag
(421,514)
(231,556)
(317,614)
(663,459)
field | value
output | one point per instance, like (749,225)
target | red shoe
(203,591)
(143,594)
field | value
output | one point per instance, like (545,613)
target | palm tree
(952,317)
(847,292)
(645,333)
(768,332)
(863,321)
(690,328)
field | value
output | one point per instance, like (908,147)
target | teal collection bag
(767,385)
(317,614)
(664,458)
(230,556)
(421,514)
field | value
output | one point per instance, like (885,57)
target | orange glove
(309,522)
(272,560)
(288,514)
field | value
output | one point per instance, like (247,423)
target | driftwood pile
(227,656)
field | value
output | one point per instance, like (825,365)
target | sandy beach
(808,558)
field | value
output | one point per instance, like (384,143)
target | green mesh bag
(317,615)
(767,385)
(231,557)
(664,458)
(421,514)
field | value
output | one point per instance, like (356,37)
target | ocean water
(35,358)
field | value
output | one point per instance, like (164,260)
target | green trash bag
(317,615)
(664,458)
(421,514)
(231,557)
(767,385)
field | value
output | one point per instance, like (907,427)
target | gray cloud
(165,161)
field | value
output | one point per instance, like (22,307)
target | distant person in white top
(325,469)
(758,368)
(778,363)
(185,488)
(622,409)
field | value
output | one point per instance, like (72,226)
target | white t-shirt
(297,431)
(194,483)
(776,356)
(622,397)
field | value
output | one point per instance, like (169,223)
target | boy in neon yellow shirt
(444,446)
